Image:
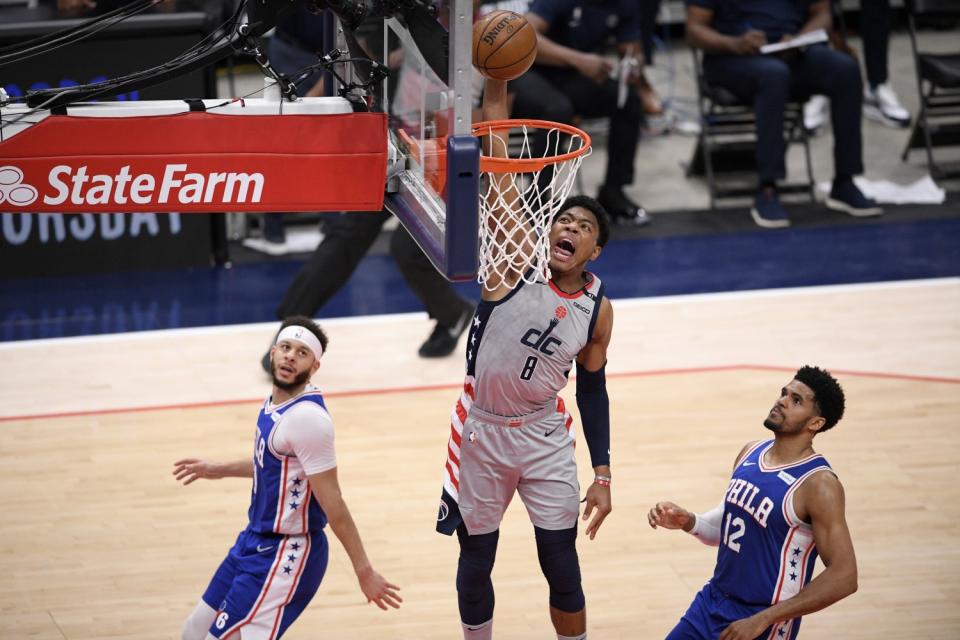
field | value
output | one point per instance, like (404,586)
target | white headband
(302,335)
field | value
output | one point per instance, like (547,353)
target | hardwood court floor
(98,541)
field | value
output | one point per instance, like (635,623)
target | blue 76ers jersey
(766,553)
(281,501)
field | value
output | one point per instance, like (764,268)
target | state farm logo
(79,187)
(177,185)
(13,190)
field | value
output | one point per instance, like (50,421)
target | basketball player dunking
(782,507)
(276,565)
(511,432)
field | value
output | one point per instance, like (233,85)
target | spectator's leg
(875,31)
(332,263)
(592,100)
(820,69)
(648,23)
(764,82)
(880,100)
(837,75)
(441,301)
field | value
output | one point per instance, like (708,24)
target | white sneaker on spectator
(882,105)
(815,114)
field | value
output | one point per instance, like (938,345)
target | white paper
(923,191)
(803,40)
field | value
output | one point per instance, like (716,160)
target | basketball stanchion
(521,193)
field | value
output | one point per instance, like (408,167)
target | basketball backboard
(433,174)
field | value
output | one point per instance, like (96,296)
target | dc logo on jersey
(13,190)
(542,341)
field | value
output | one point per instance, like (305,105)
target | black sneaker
(767,211)
(622,209)
(846,196)
(443,340)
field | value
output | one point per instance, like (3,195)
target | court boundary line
(451,386)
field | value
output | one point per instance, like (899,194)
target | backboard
(433,171)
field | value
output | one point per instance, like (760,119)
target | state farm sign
(195,162)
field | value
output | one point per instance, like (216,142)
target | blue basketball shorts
(264,583)
(711,612)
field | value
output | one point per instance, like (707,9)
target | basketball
(504,45)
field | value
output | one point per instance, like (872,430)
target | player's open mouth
(564,249)
(287,370)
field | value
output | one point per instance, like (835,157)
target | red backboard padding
(196,162)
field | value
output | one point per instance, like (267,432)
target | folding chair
(726,147)
(938,123)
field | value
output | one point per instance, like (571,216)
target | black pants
(347,240)
(768,82)
(875,31)
(648,24)
(560,94)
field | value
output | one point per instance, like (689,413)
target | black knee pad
(474,587)
(557,552)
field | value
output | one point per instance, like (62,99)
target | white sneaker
(815,114)
(882,105)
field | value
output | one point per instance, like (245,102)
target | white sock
(482,631)
(582,636)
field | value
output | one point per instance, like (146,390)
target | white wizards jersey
(521,348)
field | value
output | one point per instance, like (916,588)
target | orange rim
(527,165)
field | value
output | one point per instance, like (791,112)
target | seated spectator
(572,78)
(731,33)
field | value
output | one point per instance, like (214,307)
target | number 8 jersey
(520,349)
(766,552)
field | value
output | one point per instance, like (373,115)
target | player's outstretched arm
(375,587)
(513,246)
(188,470)
(594,405)
(821,498)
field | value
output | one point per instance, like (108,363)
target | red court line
(438,387)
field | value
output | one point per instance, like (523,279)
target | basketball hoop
(520,194)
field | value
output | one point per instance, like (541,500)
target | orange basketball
(504,45)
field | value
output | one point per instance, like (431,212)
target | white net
(527,172)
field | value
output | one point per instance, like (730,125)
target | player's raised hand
(190,469)
(378,590)
(598,496)
(669,516)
